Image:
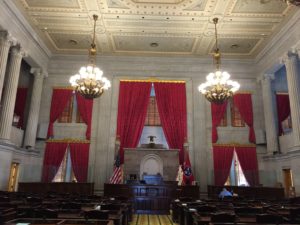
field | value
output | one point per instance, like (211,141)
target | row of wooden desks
(204,213)
(59,222)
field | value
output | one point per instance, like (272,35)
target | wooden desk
(59,187)
(151,198)
(248,192)
(59,222)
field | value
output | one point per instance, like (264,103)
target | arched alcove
(151,164)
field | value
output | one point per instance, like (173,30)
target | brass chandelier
(218,87)
(89,82)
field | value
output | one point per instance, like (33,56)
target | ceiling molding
(162,19)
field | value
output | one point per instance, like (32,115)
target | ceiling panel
(177,26)
(153,44)
(53,3)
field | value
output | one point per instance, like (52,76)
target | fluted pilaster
(34,109)
(10,92)
(293,80)
(5,44)
(270,121)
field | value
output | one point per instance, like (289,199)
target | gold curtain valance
(235,145)
(281,93)
(67,140)
(154,80)
(64,88)
(243,92)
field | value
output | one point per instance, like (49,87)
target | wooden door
(14,171)
(288,181)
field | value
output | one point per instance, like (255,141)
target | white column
(34,109)
(293,80)
(10,92)
(5,44)
(270,121)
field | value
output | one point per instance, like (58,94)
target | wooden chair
(45,213)
(269,218)
(96,214)
(206,209)
(223,217)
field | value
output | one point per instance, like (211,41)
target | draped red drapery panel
(60,98)
(244,104)
(85,107)
(132,110)
(283,110)
(80,160)
(20,105)
(223,156)
(53,157)
(217,113)
(171,104)
(248,161)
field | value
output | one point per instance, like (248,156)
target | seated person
(224,193)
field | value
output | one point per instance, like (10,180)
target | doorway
(288,181)
(13,177)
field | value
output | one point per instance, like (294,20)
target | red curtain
(244,104)
(223,156)
(85,107)
(53,157)
(171,104)
(283,110)
(248,161)
(60,98)
(80,160)
(217,113)
(20,105)
(132,110)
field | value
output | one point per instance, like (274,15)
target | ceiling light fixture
(89,82)
(218,87)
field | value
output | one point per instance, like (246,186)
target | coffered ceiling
(157,27)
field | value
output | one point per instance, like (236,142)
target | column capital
(7,39)
(18,51)
(266,77)
(38,72)
(298,52)
(288,56)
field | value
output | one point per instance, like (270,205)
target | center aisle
(146,219)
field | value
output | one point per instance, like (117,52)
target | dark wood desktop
(58,187)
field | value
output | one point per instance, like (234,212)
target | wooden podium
(147,198)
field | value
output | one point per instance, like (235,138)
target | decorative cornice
(235,145)
(68,140)
(291,27)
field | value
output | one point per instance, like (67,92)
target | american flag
(116,178)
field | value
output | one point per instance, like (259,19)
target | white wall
(30,164)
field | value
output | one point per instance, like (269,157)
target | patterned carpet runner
(145,219)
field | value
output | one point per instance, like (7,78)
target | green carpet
(145,219)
